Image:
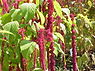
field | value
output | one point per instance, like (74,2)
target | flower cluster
(51,58)
(49,24)
(17,68)
(50,17)
(5,6)
(15,5)
(72,16)
(58,20)
(42,48)
(24,64)
(44,6)
(50,8)
(51,62)
(74,48)
(21,32)
(48,35)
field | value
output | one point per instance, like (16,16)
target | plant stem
(0,67)
(35,57)
(2,56)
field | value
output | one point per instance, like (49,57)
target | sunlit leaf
(58,8)
(28,10)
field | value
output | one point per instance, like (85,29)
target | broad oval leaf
(6,18)
(28,10)
(16,15)
(11,26)
(27,48)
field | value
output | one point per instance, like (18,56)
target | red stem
(2,58)
(35,57)
(0,67)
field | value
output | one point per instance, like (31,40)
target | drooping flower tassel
(50,17)
(42,48)
(5,6)
(44,6)
(74,48)
(51,60)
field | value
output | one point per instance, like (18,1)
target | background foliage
(30,17)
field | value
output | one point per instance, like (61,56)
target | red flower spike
(72,16)
(51,60)
(73,25)
(50,12)
(15,5)
(73,31)
(58,20)
(4,38)
(44,6)
(48,35)
(73,37)
(74,48)
(50,7)
(42,48)
(21,32)
(24,64)
(5,6)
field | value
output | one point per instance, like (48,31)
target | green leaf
(55,38)
(42,17)
(90,3)
(83,60)
(6,18)
(0,11)
(11,26)
(57,48)
(37,2)
(40,2)
(85,57)
(6,63)
(37,69)
(59,36)
(28,10)
(27,48)
(7,32)
(86,19)
(16,15)
(63,28)
(69,21)
(58,8)
(26,45)
(66,10)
